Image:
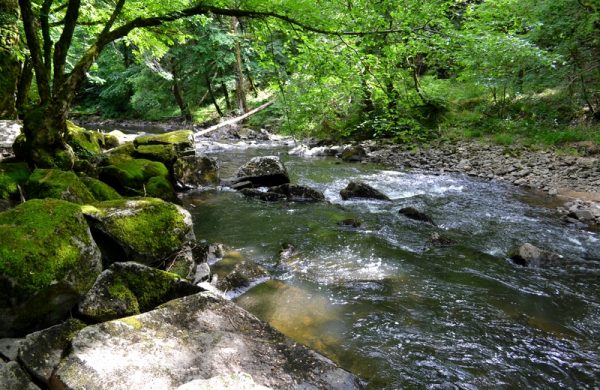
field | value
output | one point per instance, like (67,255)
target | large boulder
(54,183)
(12,175)
(529,255)
(192,171)
(137,177)
(127,289)
(87,143)
(267,171)
(99,189)
(48,260)
(358,189)
(353,153)
(197,337)
(147,230)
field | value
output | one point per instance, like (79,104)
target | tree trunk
(240,91)
(24,86)
(9,63)
(226,96)
(178,93)
(212,95)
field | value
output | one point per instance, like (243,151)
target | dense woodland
(407,70)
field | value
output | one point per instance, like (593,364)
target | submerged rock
(358,189)
(146,230)
(297,193)
(48,260)
(266,196)
(41,351)
(192,338)
(412,213)
(267,171)
(241,276)
(529,255)
(130,288)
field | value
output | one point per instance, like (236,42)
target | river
(384,303)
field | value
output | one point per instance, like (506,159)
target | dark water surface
(386,305)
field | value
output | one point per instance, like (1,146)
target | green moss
(133,322)
(119,291)
(54,183)
(166,154)
(160,187)
(127,149)
(130,176)
(150,288)
(40,242)
(181,139)
(12,175)
(100,190)
(151,225)
(85,143)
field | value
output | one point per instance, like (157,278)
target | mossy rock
(54,183)
(134,177)
(180,139)
(12,175)
(85,143)
(146,230)
(130,288)
(100,190)
(165,154)
(126,149)
(48,260)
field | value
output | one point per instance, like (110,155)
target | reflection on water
(387,305)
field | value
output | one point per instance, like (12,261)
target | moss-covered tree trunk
(10,66)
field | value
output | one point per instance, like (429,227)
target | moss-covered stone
(87,143)
(180,139)
(133,177)
(130,288)
(12,175)
(48,259)
(57,184)
(100,190)
(165,154)
(146,230)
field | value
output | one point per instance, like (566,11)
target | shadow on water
(382,301)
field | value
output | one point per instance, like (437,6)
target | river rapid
(386,304)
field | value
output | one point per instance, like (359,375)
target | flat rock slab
(194,338)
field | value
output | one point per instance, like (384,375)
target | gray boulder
(41,351)
(267,171)
(266,196)
(242,276)
(196,337)
(358,189)
(529,255)
(192,171)
(354,153)
(48,260)
(130,288)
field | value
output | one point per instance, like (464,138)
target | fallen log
(234,120)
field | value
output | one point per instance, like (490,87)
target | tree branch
(33,43)
(44,14)
(61,48)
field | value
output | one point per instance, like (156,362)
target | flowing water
(384,303)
